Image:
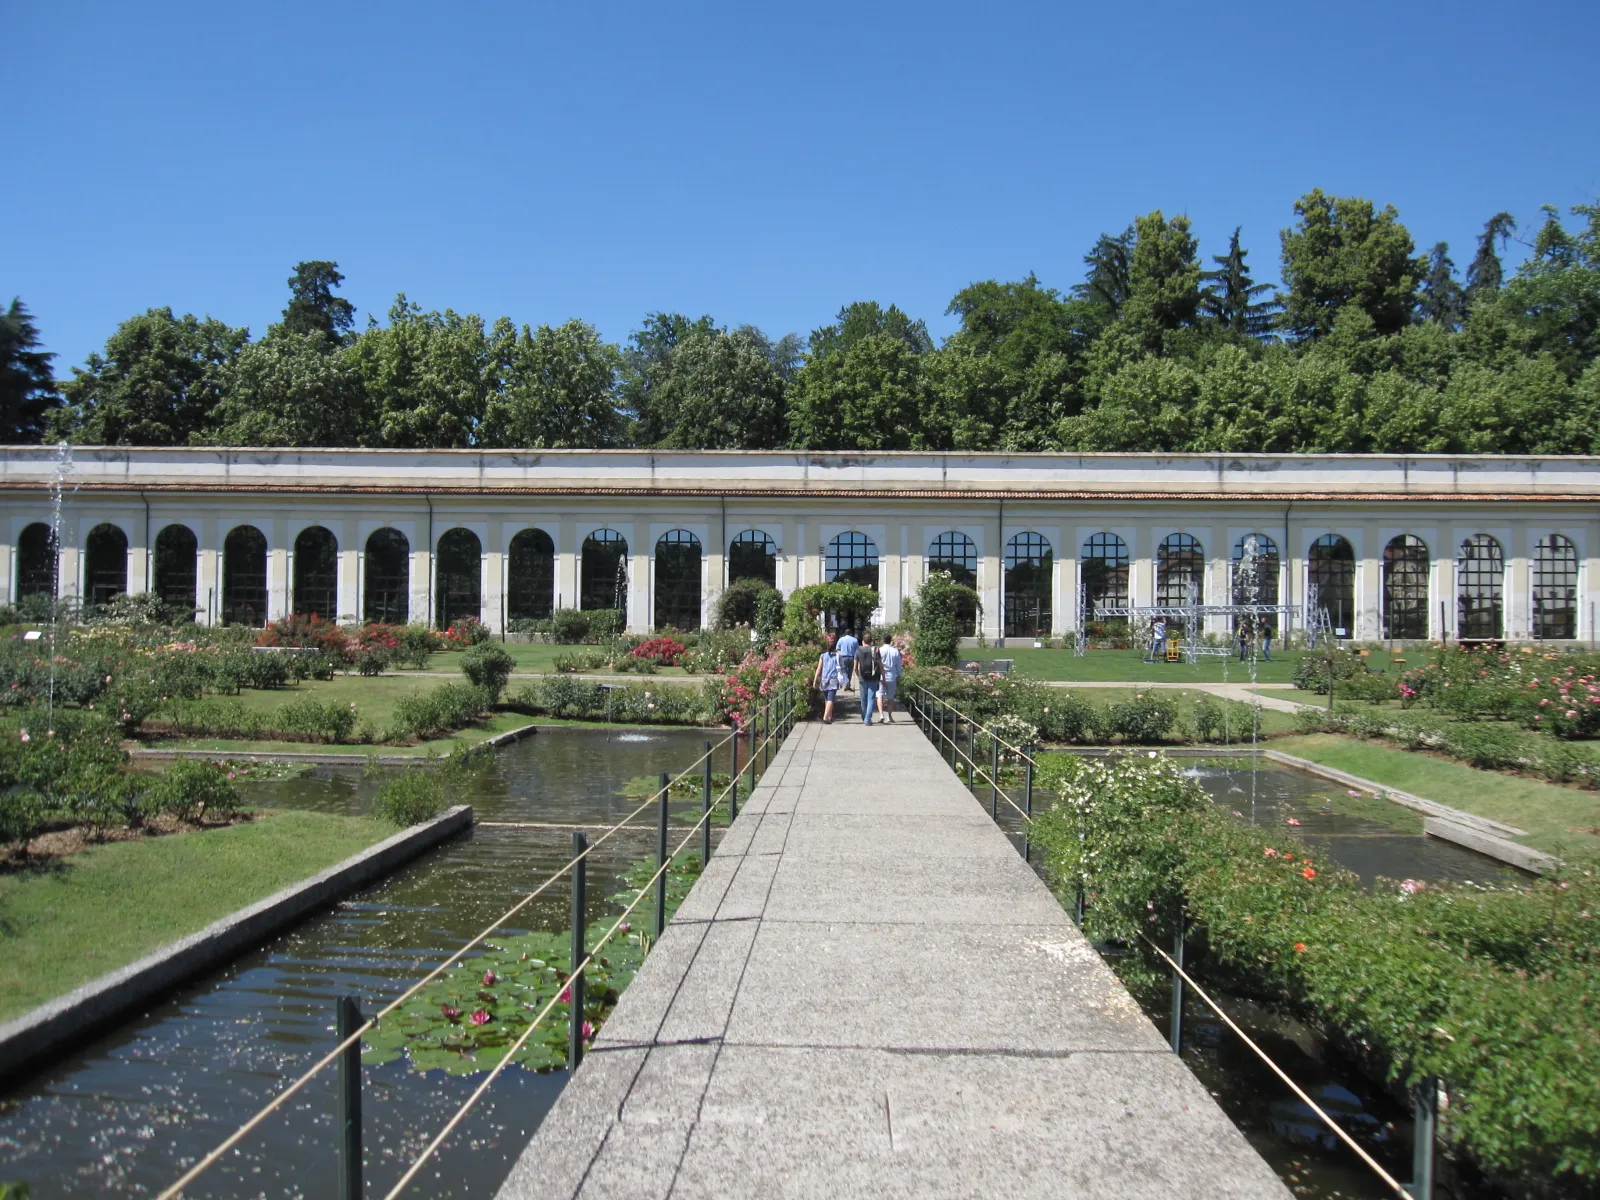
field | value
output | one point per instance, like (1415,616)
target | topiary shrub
(193,791)
(317,721)
(1146,718)
(938,618)
(488,666)
(569,626)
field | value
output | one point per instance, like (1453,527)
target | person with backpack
(846,647)
(889,655)
(827,679)
(869,670)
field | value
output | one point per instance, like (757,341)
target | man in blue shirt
(846,648)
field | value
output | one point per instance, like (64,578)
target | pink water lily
(1294,820)
(490,979)
(480,1017)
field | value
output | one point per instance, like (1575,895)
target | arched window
(753,555)
(677,580)
(1405,588)
(176,575)
(604,582)
(458,578)
(386,587)
(1105,572)
(1555,588)
(956,553)
(316,574)
(36,561)
(1180,574)
(852,558)
(105,564)
(1255,570)
(532,576)
(244,576)
(1480,589)
(1027,585)
(1331,569)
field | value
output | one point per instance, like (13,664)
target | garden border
(1482,835)
(48,1030)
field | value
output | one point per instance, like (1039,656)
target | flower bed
(1494,991)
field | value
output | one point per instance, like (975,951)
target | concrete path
(869,994)
(1243,692)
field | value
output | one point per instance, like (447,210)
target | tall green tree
(721,391)
(1231,298)
(558,391)
(289,390)
(429,375)
(1110,279)
(1484,272)
(156,384)
(646,366)
(1345,251)
(869,396)
(1553,301)
(1442,300)
(27,386)
(1163,276)
(313,308)
(864,319)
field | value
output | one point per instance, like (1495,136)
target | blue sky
(761,163)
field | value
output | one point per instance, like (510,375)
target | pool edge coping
(47,1031)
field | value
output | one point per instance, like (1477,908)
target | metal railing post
(994,777)
(972,746)
(750,756)
(1027,800)
(733,772)
(705,812)
(580,904)
(1177,986)
(661,863)
(1425,1129)
(347,1020)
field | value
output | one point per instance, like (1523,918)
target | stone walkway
(869,994)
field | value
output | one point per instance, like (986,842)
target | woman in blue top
(827,679)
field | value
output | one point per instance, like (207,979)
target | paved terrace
(870,994)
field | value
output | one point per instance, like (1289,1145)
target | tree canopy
(1366,345)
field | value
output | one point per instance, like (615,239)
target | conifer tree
(1229,295)
(1442,301)
(313,308)
(1484,273)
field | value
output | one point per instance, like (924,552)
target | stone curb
(67,1020)
(311,758)
(1535,861)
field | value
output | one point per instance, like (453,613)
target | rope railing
(977,770)
(1389,1180)
(644,890)
(1424,1161)
(354,1037)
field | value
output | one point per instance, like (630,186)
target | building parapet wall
(792,473)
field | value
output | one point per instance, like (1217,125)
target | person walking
(1245,626)
(1266,638)
(869,669)
(889,655)
(1158,639)
(826,679)
(846,647)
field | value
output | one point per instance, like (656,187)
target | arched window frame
(745,548)
(386,577)
(603,571)
(1331,569)
(530,575)
(316,573)
(175,574)
(1480,588)
(245,551)
(457,577)
(1028,584)
(852,556)
(957,553)
(1554,579)
(1406,563)
(680,560)
(1104,565)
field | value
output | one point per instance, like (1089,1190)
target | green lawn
(1557,818)
(101,909)
(1116,666)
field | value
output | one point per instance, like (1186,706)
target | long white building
(1394,546)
